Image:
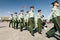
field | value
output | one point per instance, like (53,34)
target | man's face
(56,4)
(21,12)
(32,9)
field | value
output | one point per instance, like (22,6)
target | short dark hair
(15,12)
(27,12)
(11,14)
(32,7)
(22,10)
(54,2)
(39,10)
(42,15)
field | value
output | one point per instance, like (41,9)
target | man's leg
(21,26)
(32,26)
(52,31)
(12,23)
(9,23)
(16,24)
(39,26)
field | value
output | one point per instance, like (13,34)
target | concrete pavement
(7,33)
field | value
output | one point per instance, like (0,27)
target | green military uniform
(55,17)
(31,22)
(21,17)
(15,22)
(39,23)
(26,20)
(19,20)
(11,21)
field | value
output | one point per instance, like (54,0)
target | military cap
(39,10)
(15,13)
(32,7)
(54,2)
(22,10)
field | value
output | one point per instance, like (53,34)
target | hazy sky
(10,6)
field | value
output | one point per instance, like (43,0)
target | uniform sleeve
(10,18)
(17,17)
(57,13)
(14,17)
(50,16)
(36,18)
(29,14)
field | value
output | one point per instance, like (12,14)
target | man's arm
(50,16)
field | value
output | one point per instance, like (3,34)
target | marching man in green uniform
(21,20)
(55,15)
(31,20)
(11,20)
(39,21)
(15,20)
(26,19)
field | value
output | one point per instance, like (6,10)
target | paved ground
(7,33)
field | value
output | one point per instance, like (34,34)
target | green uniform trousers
(11,23)
(21,24)
(15,24)
(39,23)
(31,25)
(52,31)
(26,25)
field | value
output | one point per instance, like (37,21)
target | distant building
(4,18)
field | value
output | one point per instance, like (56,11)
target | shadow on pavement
(57,36)
(2,26)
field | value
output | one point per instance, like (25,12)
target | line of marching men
(28,22)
